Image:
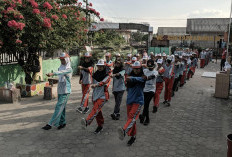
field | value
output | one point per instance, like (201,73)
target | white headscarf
(64,67)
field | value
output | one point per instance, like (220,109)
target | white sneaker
(79,109)
(121,133)
(83,123)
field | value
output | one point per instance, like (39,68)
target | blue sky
(161,13)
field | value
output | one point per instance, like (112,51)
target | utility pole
(228,41)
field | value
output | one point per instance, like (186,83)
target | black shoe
(131,141)
(61,126)
(47,127)
(141,118)
(98,130)
(165,102)
(146,122)
(86,110)
(117,116)
(113,116)
(173,94)
(168,104)
(154,109)
(177,89)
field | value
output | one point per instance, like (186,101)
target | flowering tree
(29,26)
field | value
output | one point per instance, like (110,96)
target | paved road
(195,125)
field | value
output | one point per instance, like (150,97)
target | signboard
(189,37)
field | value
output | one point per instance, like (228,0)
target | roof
(171,30)
(122,26)
(99,26)
(207,25)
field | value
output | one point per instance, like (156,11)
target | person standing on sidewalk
(100,96)
(149,90)
(135,101)
(223,60)
(85,81)
(159,85)
(118,88)
(168,78)
(202,61)
(64,90)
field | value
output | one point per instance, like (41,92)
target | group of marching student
(205,57)
(143,78)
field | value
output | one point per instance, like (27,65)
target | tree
(29,26)
(109,38)
(137,36)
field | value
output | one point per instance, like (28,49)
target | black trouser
(118,99)
(147,99)
(223,63)
(175,84)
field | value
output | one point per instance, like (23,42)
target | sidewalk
(196,125)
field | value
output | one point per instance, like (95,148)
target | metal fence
(6,58)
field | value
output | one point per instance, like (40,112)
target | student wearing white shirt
(149,90)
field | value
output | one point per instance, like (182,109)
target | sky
(161,13)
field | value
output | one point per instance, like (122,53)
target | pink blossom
(18,41)
(102,19)
(83,19)
(10,9)
(36,11)
(55,17)
(47,22)
(90,4)
(47,5)
(43,14)
(34,4)
(64,16)
(12,23)
(20,26)
(19,1)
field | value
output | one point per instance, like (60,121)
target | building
(200,32)
(172,31)
(207,27)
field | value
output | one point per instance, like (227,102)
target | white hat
(87,54)
(164,55)
(169,58)
(151,53)
(108,54)
(117,54)
(136,64)
(63,55)
(159,55)
(129,55)
(160,61)
(180,57)
(137,54)
(145,57)
(134,59)
(101,62)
